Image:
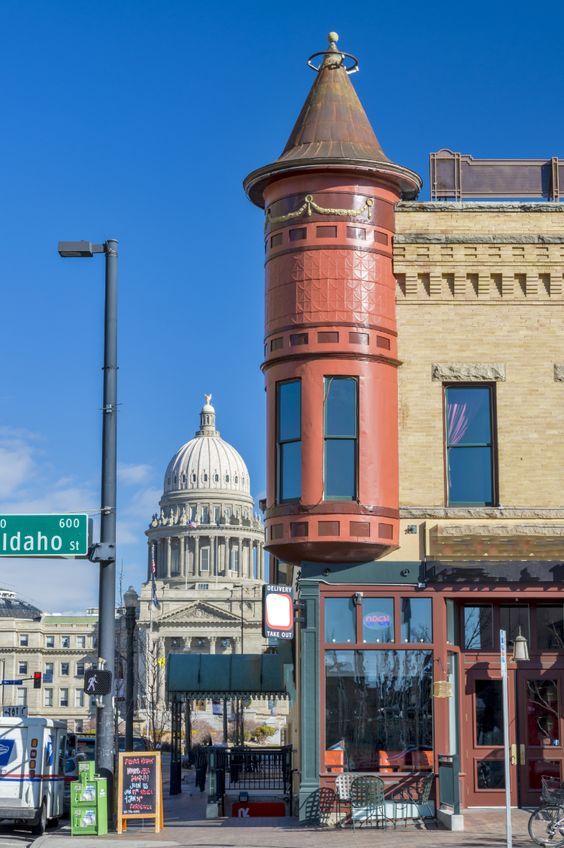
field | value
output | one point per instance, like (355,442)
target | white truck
(32,770)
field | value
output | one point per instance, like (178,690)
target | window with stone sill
(22,667)
(65,669)
(470,445)
(63,697)
(65,641)
(24,640)
(47,697)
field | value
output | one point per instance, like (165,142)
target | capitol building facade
(205,572)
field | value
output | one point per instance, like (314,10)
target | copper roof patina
(332,131)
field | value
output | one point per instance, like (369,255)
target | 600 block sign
(44,535)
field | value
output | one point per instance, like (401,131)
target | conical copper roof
(332,131)
(333,123)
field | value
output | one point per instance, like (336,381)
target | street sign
(97,681)
(44,535)
(14,712)
(11,682)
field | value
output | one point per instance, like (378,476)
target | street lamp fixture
(104,552)
(79,248)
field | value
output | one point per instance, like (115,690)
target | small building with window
(414,377)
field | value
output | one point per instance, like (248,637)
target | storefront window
(416,620)
(514,619)
(379,708)
(478,629)
(550,628)
(340,620)
(377,620)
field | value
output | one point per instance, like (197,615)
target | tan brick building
(58,646)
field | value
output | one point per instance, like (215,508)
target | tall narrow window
(289,440)
(204,559)
(341,429)
(469,445)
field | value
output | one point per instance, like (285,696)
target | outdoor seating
(343,783)
(367,801)
(411,801)
(327,800)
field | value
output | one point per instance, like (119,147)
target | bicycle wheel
(546,826)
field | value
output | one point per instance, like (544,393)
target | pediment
(200,611)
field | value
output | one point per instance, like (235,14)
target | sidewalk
(186,825)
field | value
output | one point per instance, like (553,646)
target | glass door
(483,750)
(541,731)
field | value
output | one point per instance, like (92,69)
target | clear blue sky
(138,120)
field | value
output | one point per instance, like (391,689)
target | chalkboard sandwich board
(140,788)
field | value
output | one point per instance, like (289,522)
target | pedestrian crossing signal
(97,681)
(37,680)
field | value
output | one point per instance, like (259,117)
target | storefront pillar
(309,691)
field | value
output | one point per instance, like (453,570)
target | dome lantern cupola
(207,419)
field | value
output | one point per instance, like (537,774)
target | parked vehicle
(32,770)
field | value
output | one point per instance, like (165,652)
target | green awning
(227,675)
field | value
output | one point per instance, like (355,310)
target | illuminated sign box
(277,612)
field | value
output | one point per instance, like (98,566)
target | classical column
(182,556)
(260,560)
(212,644)
(168,555)
(240,548)
(196,556)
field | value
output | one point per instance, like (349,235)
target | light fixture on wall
(520,648)
(357,598)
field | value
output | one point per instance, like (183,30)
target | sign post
(44,535)
(505,695)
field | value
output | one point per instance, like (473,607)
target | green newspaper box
(89,806)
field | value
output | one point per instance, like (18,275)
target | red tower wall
(330,311)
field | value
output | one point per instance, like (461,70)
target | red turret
(330,329)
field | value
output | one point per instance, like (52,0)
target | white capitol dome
(207,462)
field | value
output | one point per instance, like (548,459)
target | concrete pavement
(186,825)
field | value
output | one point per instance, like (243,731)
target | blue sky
(138,120)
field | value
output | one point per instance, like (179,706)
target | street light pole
(105,742)
(105,551)
(130,599)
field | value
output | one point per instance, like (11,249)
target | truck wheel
(40,824)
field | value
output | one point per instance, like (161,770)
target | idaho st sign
(44,535)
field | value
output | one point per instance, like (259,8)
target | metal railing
(257,768)
(449,786)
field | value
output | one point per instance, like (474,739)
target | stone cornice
(474,512)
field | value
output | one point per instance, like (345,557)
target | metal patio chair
(367,801)
(410,801)
(343,783)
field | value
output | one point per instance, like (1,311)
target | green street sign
(43,535)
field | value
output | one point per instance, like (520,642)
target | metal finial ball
(333,37)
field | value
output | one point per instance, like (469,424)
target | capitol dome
(207,462)
(13,607)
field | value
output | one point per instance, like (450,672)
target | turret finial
(333,57)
